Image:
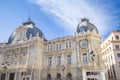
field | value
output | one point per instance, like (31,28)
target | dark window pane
(3,76)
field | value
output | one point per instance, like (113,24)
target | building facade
(29,56)
(111,55)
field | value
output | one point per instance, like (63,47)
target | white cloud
(71,12)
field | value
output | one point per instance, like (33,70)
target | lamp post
(63,69)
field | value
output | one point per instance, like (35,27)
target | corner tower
(88,49)
(24,32)
(22,56)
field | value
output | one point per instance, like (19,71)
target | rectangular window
(117,37)
(68,45)
(116,46)
(60,46)
(118,55)
(49,61)
(58,60)
(84,58)
(69,59)
(49,47)
(110,48)
(57,47)
(24,61)
(15,62)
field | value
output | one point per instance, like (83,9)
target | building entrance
(3,76)
(93,75)
(12,75)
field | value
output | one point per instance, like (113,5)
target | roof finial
(29,17)
(84,19)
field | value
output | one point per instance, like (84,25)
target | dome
(25,31)
(85,26)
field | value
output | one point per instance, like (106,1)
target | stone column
(7,76)
(84,75)
(16,74)
(63,75)
(102,76)
(53,74)
(44,75)
(19,76)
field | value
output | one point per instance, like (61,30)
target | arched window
(69,76)
(49,77)
(58,77)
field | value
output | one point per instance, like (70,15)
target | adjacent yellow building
(28,55)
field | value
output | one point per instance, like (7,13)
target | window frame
(117,47)
(117,37)
(118,55)
(50,61)
(59,60)
(69,59)
(84,58)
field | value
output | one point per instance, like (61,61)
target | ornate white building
(111,55)
(29,56)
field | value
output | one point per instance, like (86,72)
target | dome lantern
(84,20)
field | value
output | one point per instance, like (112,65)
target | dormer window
(82,30)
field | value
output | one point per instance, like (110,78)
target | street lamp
(63,69)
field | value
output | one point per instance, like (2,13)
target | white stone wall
(109,52)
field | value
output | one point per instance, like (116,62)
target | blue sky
(59,18)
